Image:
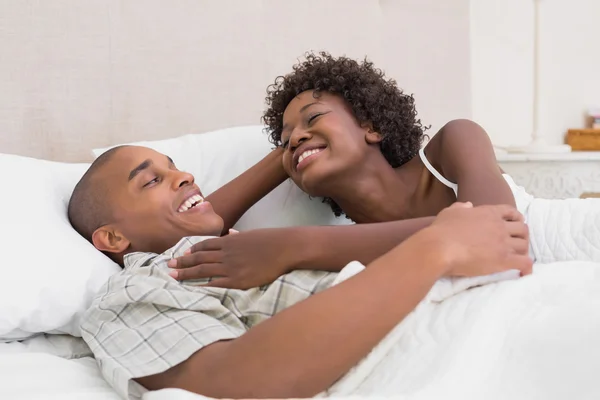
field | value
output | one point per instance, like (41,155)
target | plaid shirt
(143,322)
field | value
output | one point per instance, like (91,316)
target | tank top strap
(436,173)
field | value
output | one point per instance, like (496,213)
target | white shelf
(572,156)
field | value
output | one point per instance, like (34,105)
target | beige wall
(78,74)
(502,66)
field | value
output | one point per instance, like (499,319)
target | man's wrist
(436,247)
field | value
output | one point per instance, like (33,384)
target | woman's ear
(110,240)
(372,137)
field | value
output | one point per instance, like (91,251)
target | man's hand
(482,240)
(237,261)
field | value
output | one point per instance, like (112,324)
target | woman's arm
(236,197)
(257,257)
(466,156)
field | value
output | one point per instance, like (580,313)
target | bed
(88,75)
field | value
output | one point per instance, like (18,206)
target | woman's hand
(238,260)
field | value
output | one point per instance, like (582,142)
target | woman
(352,137)
(367,163)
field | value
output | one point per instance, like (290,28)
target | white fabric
(560,229)
(522,198)
(64,346)
(436,173)
(50,273)
(34,376)
(443,288)
(563,230)
(533,338)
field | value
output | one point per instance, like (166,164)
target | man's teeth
(307,153)
(191,202)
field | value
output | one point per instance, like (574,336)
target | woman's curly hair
(372,97)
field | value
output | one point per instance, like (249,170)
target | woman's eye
(313,117)
(151,182)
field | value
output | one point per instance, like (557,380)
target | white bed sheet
(32,376)
(51,367)
(64,346)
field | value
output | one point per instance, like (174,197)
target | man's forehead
(139,152)
(131,157)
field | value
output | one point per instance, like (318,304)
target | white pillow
(215,158)
(49,272)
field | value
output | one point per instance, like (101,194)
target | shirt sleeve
(144,323)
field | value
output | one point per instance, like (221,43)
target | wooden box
(584,139)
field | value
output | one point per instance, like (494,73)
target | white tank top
(522,198)
(436,173)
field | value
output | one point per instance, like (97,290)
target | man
(292,337)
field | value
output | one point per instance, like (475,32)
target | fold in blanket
(443,288)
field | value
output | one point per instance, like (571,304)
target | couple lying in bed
(254,314)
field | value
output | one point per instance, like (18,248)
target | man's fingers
(519,246)
(510,213)
(523,263)
(517,229)
(200,257)
(199,272)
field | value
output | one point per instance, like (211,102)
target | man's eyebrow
(145,164)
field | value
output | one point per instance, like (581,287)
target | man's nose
(182,179)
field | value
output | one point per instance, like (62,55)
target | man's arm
(236,197)
(306,348)
(467,157)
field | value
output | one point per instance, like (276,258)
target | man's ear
(371,137)
(110,240)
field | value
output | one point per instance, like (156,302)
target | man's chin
(205,228)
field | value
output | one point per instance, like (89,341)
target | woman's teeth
(307,153)
(190,203)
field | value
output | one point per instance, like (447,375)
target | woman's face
(323,142)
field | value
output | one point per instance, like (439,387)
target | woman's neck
(376,192)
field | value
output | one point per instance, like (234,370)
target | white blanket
(532,338)
(564,230)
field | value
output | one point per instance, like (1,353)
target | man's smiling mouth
(191,202)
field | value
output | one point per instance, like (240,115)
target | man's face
(154,204)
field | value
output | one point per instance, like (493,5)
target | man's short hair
(89,206)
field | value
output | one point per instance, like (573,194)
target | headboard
(75,75)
